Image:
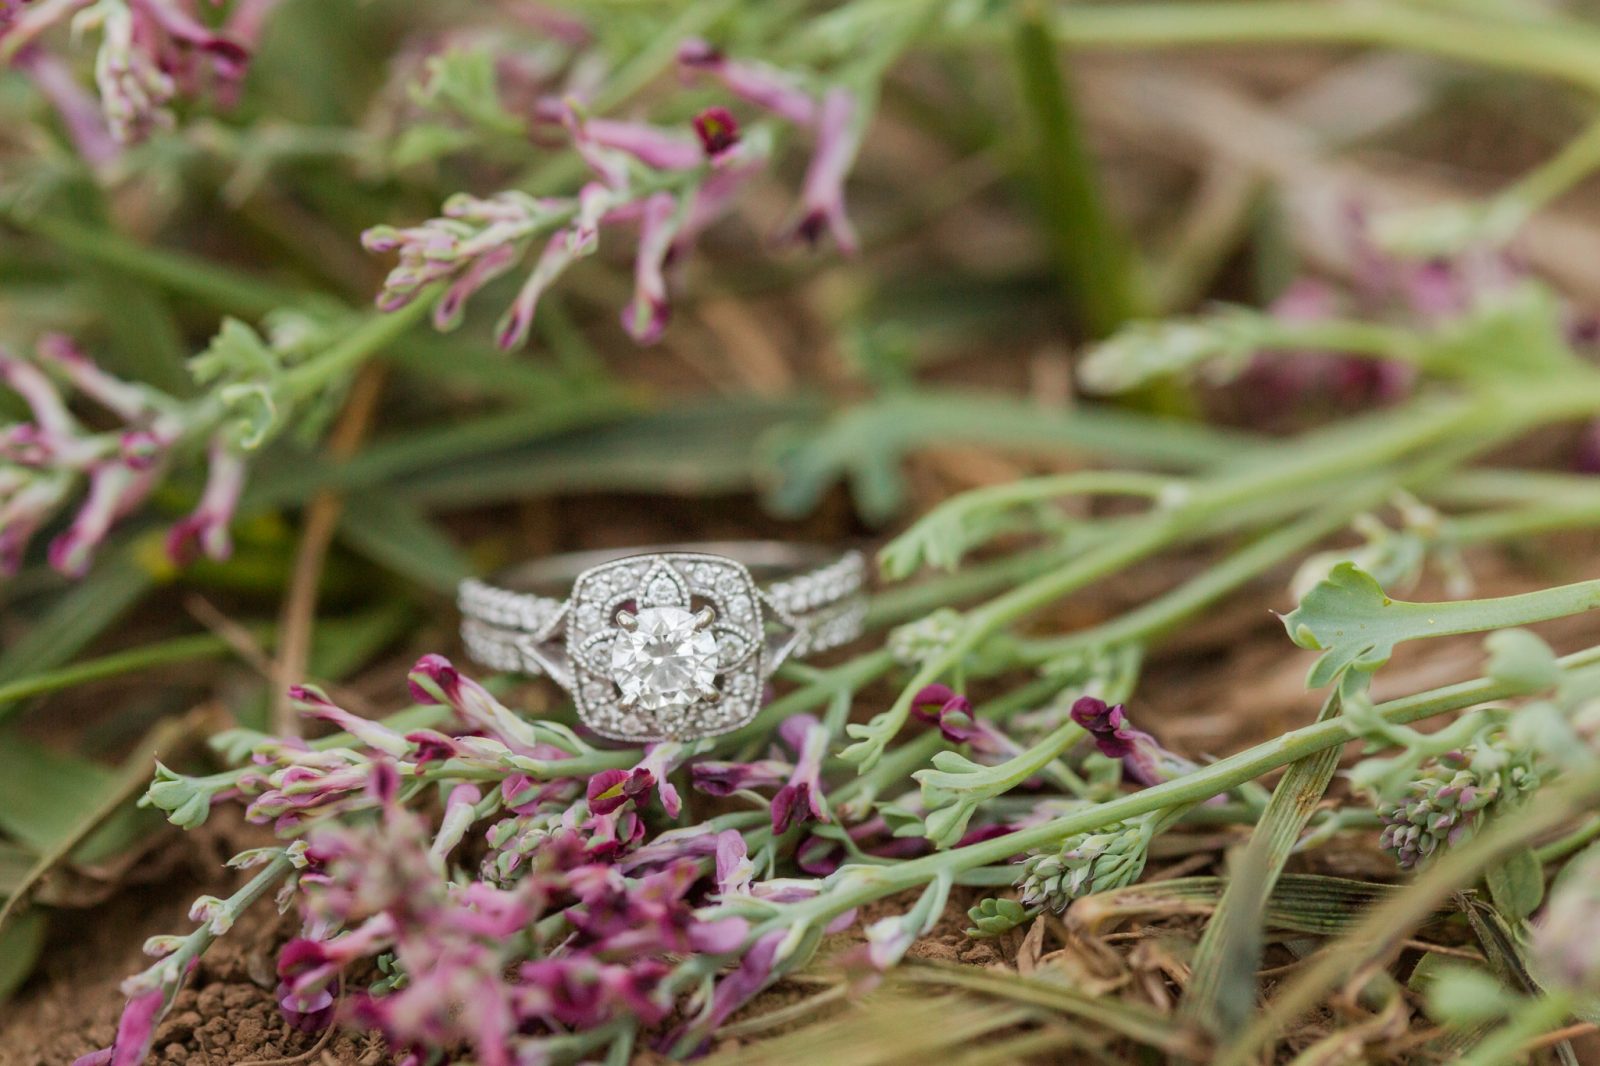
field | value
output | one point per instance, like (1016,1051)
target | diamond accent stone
(666,661)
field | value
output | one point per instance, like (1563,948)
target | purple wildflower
(645,318)
(1144,760)
(610,789)
(151,53)
(206,530)
(307,1006)
(801,798)
(80,113)
(718,131)
(716,778)
(434,679)
(754,972)
(822,197)
(54,454)
(734,868)
(756,83)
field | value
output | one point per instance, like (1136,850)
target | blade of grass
(1222,991)
(398,536)
(1298,903)
(80,615)
(1093,256)
(20,947)
(1387,925)
(1125,1019)
(160,653)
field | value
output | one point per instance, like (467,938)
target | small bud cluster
(1086,864)
(1455,793)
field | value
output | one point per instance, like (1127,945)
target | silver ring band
(672,641)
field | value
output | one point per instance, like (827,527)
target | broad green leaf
(20,945)
(1466,995)
(43,793)
(1517,884)
(81,614)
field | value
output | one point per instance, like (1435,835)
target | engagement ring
(673,642)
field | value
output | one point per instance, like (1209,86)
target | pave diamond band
(668,642)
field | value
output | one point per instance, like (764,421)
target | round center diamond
(664,661)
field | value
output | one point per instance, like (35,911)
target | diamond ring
(673,642)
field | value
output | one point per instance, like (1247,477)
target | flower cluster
(671,184)
(1455,793)
(152,53)
(43,463)
(507,882)
(1085,864)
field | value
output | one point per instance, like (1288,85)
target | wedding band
(674,642)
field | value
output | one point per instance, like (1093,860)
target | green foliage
(1517,885)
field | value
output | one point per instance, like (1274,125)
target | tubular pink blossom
(646,317)
(557,256)
(39,392)
(822,197)
(136,1029)
(459,814)
(650,145)
(801,799)
(448,311)
(207,528)
(766,87)
(115,488)
(80,112)
(314,703)
(22,511)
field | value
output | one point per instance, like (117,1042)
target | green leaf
(1517,884)
(1515,337)
(43,793)
(1356,626)
(1519,658)
(1344,617)
(1466,995)
(865,445)
(20,946)
(428,141)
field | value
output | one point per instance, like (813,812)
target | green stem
(1564,49)
(1560,848)
(1308,461)
(377,332)
(162,653)
(1196,787)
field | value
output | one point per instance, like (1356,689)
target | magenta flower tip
(434,679)
(717,129)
